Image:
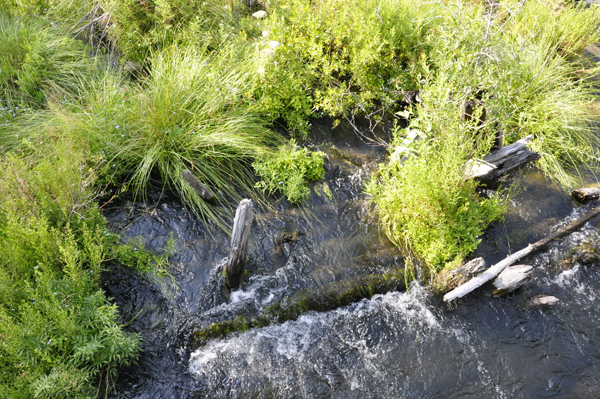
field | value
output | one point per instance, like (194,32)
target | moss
(331,297)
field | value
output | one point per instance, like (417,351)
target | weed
(59,331)
(288,171)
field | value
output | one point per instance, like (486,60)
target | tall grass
(193,111)
(520,64)
(39,62)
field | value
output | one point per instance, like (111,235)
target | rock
(511,278)
(273,44)
(583,195)
(543,300)
(267,52)
(260,14)
(132,66)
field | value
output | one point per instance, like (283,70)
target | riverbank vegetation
(122,95)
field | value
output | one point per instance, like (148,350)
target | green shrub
(526,85)
(425,205)
(59,332)
(288,171)
(143,27)
(339,57)
(38,62)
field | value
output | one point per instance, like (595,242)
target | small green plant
(288,171)
(134,255)
(59,331)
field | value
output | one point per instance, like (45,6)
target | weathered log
(448,280)
(197,185)
(511,278)
(585,194)
(493,271)
(500,162)
(543,300)
(238,251)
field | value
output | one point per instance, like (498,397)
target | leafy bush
(526,85)
(338,56)
(425,205)
(289,171)
(59,332)
(143,27)
(38,62)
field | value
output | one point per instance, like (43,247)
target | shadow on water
(395,345)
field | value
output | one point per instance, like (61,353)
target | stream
(393,345)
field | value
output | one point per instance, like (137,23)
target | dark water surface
(396,345)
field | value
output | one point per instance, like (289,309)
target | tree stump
(238,251)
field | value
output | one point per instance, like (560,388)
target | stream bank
(390,345)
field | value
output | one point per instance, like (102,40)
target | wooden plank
(493,271)
(238,251)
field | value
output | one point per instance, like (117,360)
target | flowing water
(394,345)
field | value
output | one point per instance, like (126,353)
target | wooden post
(493,271)
(234,268)
(197,185)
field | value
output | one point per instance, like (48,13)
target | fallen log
(197,185)
(238,251)
(493,271)
(585,194)
(502,161)
(447,280)
(511,278)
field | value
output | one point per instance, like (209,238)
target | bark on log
(493,271)
(505,160)
(197,185)
(585,194)
(448,280)
(238,251)
(511,278)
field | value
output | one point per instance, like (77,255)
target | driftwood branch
(197,185)
(493,271)
(502,161)
(236,261)
(511,278)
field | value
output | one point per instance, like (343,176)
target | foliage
(338,56)
(517,73)
(191,112)
(141,28)
(59,332)
(289,171)
(38,62)
(425,205)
